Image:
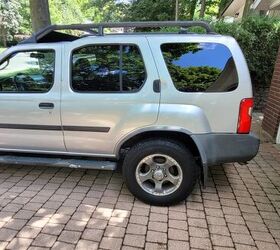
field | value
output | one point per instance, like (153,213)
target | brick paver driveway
(65,209)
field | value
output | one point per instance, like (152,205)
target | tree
(159,10)
(40,14)
(202,8)
(191,9)
(24,11)
(210,8)
(104,10)
(147,10)
(66,11)
(246,10)
(176,10)
(9,19)
(222,5)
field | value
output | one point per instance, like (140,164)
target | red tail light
(245,116)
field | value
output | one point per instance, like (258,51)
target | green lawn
(1,49)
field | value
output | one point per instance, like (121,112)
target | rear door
(30,99)
(107,93)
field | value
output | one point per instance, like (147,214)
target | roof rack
(98,29)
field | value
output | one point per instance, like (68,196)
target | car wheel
(160,172)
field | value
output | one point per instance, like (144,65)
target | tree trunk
(176,10)
(2,38)
(246,10)
(191,8)
(202,9)
(40,14)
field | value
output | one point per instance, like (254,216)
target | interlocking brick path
(61,208)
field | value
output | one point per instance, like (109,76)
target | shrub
(259,38)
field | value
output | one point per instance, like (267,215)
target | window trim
(201,92)
(106,92)
(30,50)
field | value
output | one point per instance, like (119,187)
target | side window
(107,68)
(200,67)
(27,72)
(133,68)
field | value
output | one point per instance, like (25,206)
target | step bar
(58,162)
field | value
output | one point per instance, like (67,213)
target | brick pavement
(59,208)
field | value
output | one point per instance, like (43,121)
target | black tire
(171,148)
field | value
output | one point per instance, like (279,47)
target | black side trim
(86,129)
(55,128)
(29,127)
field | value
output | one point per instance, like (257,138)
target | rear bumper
(222,148)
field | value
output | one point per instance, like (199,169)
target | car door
(108,92)
(30,99)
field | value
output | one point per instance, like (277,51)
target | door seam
(159,103)
(62,52)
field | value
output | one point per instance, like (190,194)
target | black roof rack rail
(101,26)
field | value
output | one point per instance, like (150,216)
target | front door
(108,92)
(30,100)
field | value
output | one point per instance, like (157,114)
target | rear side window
(107,68)
(200,67)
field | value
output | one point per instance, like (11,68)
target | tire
(153,159)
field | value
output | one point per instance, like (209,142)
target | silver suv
(164,106)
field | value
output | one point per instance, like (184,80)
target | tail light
(245,116)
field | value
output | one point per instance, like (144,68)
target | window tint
(133,68)
(29,71)
(109,68)
(200,67)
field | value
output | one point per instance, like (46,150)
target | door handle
(46,105)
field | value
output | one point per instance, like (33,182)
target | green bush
(259,38)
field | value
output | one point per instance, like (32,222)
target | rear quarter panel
(200,112)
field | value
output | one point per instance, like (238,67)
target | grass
(2,49)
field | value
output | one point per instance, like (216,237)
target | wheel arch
(182,136)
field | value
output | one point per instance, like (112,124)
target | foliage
(9,19)
(66,11)
(212,8)
(191,9)
(147,10)
(159,10)
(103,10)
(163,10)
(193,79)
(102,65)
(24,11)
(259,38)
(189,79)
(62,12)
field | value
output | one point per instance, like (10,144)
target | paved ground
(66,209)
